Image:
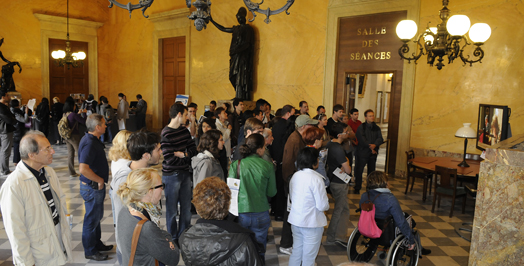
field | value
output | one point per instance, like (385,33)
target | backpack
(110,113)
(366,223)
(63,127)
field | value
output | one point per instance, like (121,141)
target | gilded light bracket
(69,59)
(255,7)
(438,44)
(202,15)
(144,4)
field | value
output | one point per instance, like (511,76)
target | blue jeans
(306,242)
(109,134)
(259,223)
(94,205)
(178,190)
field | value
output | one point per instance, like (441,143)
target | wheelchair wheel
(399,255)
(360,248)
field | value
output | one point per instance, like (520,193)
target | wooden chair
(448,188)
(413,173)
(463,179)
(467,226)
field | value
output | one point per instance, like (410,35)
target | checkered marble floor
(436,229)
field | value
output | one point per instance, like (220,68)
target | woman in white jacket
(309,201)
(205,163)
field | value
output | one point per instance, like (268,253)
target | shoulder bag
(134,242)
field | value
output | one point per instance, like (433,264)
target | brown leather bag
(134,242)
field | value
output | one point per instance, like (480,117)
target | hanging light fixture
(445,39)
(201,15)
(68,58)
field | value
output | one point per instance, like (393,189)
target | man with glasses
(94,173)
(34,208)
(144,149)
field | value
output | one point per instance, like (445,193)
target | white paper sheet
(234,186)
(342,176)
(31,104)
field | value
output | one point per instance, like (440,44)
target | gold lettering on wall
(370,43)
(371,31)
(370,56)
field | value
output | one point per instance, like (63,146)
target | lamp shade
(429,38)
(81,55)
(406,29)
(479,32)
(466,132)
(458,25)
(58,54)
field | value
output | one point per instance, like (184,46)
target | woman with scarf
(141,195)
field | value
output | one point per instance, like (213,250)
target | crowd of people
(285,165)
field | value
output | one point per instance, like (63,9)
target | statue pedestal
(248,105)
(15,95)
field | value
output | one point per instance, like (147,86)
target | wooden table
(428,163)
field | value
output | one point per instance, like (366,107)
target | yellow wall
(289,59)
(289,55)
(21,30)
(124,47)
(447,98)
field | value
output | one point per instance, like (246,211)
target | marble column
(498,229)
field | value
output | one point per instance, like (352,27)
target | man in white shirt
(34,207)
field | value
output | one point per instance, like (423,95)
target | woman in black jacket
(56,114)
(213,240)
(42,117)
(22,117)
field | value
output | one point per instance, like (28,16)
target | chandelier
(202,14)
(67,58)
(447,39)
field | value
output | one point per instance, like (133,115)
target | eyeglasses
(163,186)
(48,149)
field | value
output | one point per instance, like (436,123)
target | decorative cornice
(72,21)
(170,15)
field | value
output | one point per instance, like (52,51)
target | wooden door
(63,81)
(173,73)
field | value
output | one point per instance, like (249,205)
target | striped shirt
(176,140)
(46,189)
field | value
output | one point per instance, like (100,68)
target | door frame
(53,27)
(338,9)
(166,25)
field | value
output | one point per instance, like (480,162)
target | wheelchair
(362,249)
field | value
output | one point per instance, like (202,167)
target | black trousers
(287,236)
(279,201)
(361,162)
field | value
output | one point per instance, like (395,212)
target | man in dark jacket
(7,128)
(213,240)
(141,109)
(280,135)
(369,138)
(235,120)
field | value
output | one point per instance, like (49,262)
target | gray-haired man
(34,208)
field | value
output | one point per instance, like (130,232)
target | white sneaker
(286,251)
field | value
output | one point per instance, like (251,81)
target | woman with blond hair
(120,158)
(141,194)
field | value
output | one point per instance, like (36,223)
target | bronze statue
(6,81)
(241,52)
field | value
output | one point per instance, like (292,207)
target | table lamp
(465,132)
